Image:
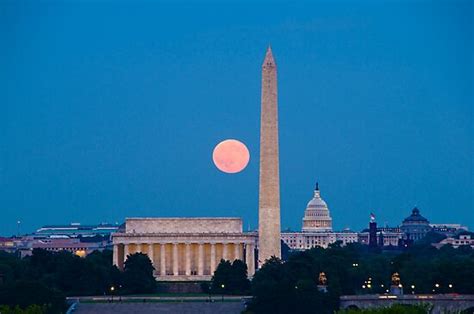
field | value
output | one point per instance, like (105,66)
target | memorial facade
(185,249)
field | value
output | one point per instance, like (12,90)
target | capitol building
(317,227)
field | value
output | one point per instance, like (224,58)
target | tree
(138,274)
(24,293)
(230,278)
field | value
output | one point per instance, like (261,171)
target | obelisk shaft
(269,188)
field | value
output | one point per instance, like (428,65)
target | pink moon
(231,156)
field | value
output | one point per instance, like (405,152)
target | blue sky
(111,109)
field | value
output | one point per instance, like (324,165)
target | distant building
(74,245)
(458,240)
(449,230)
(415,227)
(380,236)
(317,228)
(76,238)
(74,230)
(7,244)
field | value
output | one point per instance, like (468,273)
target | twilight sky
(111,109)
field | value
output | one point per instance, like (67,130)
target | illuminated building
(185,249)
(317,228)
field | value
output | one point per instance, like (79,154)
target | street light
(222,286)
(412,289)
(112,289)
(450,285)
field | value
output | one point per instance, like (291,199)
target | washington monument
(269,188)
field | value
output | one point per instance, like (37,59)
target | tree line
(292,286)
(45,278)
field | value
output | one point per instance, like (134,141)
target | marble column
(151,252)
(225,251)
(237,251)
(201,259)
(188,259)
(116,255)
(125,251)
(213,258)
(162,259)
(175,260)
(250,259)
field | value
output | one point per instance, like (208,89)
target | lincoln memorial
(185,249)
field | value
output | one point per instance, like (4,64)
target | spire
(317,187)
(269,61)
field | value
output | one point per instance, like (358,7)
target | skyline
(111,120)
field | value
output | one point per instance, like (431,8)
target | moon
(231,156)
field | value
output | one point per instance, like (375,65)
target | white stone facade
(316,216)
(308,240)
(185,249)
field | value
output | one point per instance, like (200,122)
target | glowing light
(80,253)
(450,285)
(437,285)
(231,156)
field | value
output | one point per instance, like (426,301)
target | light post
(412,289)
(112,289)
(222,286)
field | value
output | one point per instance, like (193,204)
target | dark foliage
(25,293)
(45,278)
(138,274)
(291,287)
(230,278)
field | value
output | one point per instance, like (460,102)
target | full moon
(231,156)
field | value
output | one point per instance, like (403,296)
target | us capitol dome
(316,216)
